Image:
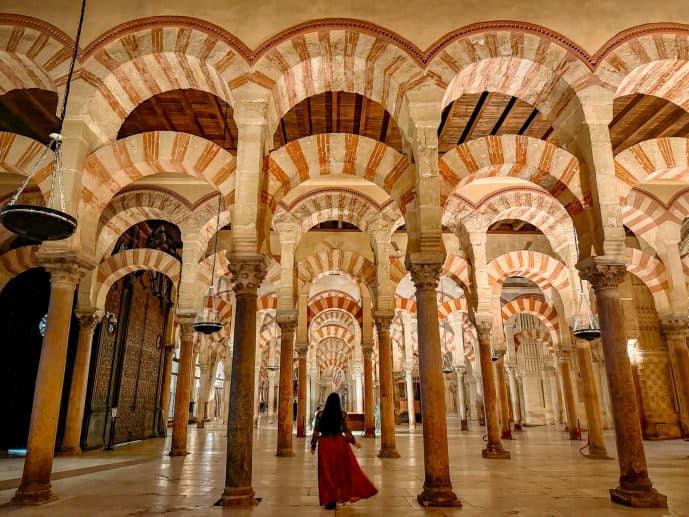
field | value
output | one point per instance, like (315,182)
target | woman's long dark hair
(331,418)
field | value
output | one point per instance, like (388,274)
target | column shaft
(598,450)
(387,403)
(675,331)
(286,395)
(77,392)
(437,487)
(248,275)
(411,410)
(635,487)
(35,484)
(180,423)
(568,393)
(165,389)
(301,393)
(505,431)
(494,448)
(369,402)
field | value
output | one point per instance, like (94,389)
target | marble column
(35,484)
(437,487)
(165,388)
(568,393)
(206,378)
(257,393)
(288,324)
(547,396)
(302,384)
(77,392)
(247,273)
(369,399)
(272,377)
(514,392)
(388,448)
(357,368)
(185,372)
(598,449)
(675,331)
(226,391)
(494,448)
(409,381)
(461,398)
(505,431)
(635,488)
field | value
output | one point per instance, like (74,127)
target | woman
(340,478)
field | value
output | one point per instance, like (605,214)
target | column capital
(302,348)
(367,347)
(89,319)
(287,319)
(564,355)
(675,327)
(601,272)
(64,274)
(248,271)
(186,324)
(425,269)
(383,320)
(484,325)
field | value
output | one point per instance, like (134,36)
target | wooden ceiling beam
(356,120)
(364,115)
(503,116)
(647,119)
(221,114)
(384,127)
(160,113)
(186,105)
(483,100)
(334,112)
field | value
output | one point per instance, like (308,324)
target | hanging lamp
(207,320)
(586,327)
(51,222)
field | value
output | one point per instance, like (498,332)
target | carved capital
(186,325)
(383,321)
(287,320)
(302,348)
(425,270)
(367,348)
(484,326)
(64,275)
(675,328)
(89,320)
(600,273)
(247,273)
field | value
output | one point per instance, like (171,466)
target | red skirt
(340,479)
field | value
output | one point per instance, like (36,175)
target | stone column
(675,331)
(302,383)
(248,273)
(461,398)
(505,431)
(598,449)
(226,391)
(547,396)
(35,484)
(165,389)
(409,381)
(77,392)
(388,448)
(635,487)
(185,372)
(369,399)
(204,387)
(272,377)
(288,324)
(494,448)
(257,393)
(437,487)
(514,392)
(358,388)
(568,392)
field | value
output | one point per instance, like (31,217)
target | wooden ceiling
(29,113)
(641,117)
(189,111)
(483,114)
(338,112)
(512,226)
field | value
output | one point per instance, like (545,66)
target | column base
(178,452)
(284,453)
(517,427)
(244,496)
(38,494)
(388,453)
(369,434)
(464,425)
(200,424)
(493,452)
(597,454)
(638,498)
(69,451)
(506,435)
(438,497)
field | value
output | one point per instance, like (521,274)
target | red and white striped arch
(334,299)
(19,154)
(539,162)
(542,269)
(657,159)
(537,308)
(267,302)
(335,260)
(538,334)
(113,167)
(652,273)
(651,60)
(332,351)
(458,269)
(337,317)
(405,304)
(16,261)
(512,58)
(137,60)
(339,154)
(335,56)
(33,54)
(115,267)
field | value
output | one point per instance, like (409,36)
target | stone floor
(546,476)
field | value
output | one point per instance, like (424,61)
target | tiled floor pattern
(545,477)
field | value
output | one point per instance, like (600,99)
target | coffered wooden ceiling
(641,117)
(29,113)
(189,111)
(477,115)
(338,112)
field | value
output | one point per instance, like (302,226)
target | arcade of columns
(424,291)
